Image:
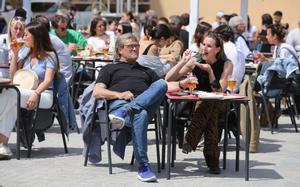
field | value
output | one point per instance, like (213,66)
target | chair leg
(159,120)
(59,118)
(225,136)
(157,140)
(132,159)
(237,145)
(88,145)
(164,130)
(173,135)
(108,147)
(31,133)
(292,115)
(294,105)
(266,108)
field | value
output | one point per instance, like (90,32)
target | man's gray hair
(235,21)
(120,42)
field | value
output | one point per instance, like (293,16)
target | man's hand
(125,95)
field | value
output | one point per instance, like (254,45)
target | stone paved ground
(276,164)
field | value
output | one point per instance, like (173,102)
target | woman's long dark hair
(201,29)
(41,41)
(160,31)
(94,23)
(127,28)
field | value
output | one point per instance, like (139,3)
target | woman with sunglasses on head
(42,60)
(16,28)
(212,72)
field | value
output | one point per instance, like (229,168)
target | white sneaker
(5,152)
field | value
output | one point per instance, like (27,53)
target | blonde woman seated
(41,59)
(212,72)
(16,28)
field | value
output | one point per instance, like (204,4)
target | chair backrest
(276,86)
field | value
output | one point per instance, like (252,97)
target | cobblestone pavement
(276,164)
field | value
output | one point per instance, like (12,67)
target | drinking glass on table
(192,83)
(105,49)
(231,83)
(79,49)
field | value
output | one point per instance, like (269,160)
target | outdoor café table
(93,59)
(7,84)
(170,108)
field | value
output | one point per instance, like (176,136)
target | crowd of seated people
(153,56)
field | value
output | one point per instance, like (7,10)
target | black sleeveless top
(203,78)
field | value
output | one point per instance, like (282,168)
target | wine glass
(231,83)
(79,49)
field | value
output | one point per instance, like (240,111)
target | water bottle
(4,59)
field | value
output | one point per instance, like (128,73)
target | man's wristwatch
(215,84)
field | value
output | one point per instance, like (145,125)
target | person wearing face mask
(212,72)
(71,38)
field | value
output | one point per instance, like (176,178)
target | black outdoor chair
(39,120)
(277,89)
(101,118)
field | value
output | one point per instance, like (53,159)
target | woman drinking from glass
(212,72)
(42,60)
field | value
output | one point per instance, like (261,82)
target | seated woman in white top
(41,59)
(98,38)
(275,36)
